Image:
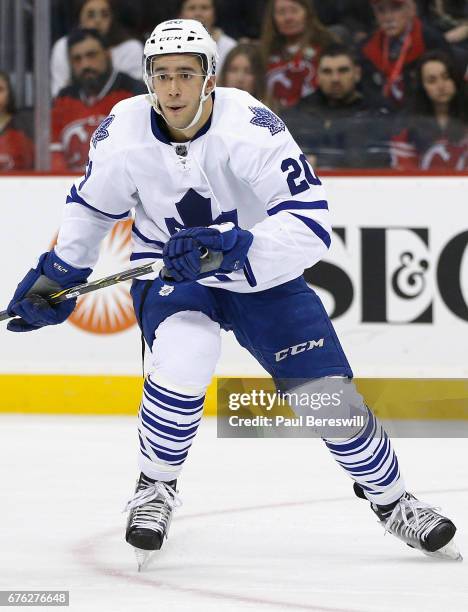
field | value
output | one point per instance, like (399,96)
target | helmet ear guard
(180,36)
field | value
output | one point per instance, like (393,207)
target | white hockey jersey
(242,166)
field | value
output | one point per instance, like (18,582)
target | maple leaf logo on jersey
(102,132)
(264,117)
(195,211)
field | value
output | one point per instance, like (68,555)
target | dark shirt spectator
(433,135)
(448,16)
(451,18)
(98,15)
(350,20)
(242,18)
(80,108)
(292,39)
(16,145)
(390,55)
(358,16)
(337,126)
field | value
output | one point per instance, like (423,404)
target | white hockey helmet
(180,36)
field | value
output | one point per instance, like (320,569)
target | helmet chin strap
(203,98)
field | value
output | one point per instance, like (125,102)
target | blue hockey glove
(183,252)
(29,301)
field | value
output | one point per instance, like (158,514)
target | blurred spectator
(449,16)
(154,12)
(391,53)
(16,145)
(337,126)
(291,42)
(62,18)
(98,15)
(241,19)
(205,11)
(79,108)
(243,68)
(351,20)
(356,16)
(128,14)
(434,134)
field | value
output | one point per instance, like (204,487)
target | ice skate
(150,514)
(419,525)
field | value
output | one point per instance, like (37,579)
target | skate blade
(449,552)
(143,557)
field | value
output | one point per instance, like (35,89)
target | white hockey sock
(369,459)
(168,422)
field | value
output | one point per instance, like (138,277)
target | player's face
(338,76)
(201,10)
(439,86)
(239,74)
(89,61)
(178,81)
(393,17)
(4,95)
(96,15)
(290,18)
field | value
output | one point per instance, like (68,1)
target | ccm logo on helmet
(170,38)
(299,348)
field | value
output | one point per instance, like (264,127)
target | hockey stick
(210,261)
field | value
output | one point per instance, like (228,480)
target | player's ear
(210,85)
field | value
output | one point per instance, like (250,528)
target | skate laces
(417,516)
(157,490)
(152,506)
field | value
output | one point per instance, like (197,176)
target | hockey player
(217,172)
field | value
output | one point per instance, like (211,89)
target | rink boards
(392,282)
(390,398)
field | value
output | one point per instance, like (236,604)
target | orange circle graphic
(108,310)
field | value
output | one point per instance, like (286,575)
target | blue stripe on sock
(170,438)
(168,450)
(171,431)
(168,409)
(351,464)
(357,445)
(390,476)
(190,403)
(374,464)
(162,389)
(149,407)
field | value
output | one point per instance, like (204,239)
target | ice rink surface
(266,524)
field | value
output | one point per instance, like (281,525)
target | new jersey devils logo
(75,141)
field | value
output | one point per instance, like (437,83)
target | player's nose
(174,88)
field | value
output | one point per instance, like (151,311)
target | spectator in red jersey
(16,145)
(243,68)
(291,42)
(434,134)
(79,109)
(98,15)
(205,12)
(389,57)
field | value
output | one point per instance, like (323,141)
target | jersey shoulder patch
(264,117)
(102,131)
